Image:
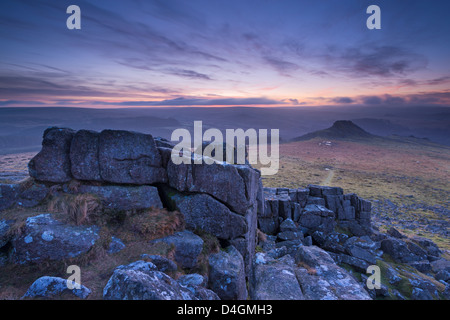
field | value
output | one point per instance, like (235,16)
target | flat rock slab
(125,197)
(44,238)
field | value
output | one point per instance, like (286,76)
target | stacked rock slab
(135,169)
(315,208)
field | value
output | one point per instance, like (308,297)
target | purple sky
(224,52)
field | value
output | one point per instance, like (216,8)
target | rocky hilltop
(341,129)
(197,231)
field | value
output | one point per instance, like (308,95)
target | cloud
(282,66)
(197,102)
(20,102)
(342,100)
(190,74)
(372,100)
(382,61)
(438,81)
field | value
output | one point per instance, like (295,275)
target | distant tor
(341,129)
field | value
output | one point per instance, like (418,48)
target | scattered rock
(325,280)
(115,245)
(46,238)
(141,281)
(196,284)
(54,287)
(395,233)
(274,280)
(398,250)
(5,226)
(9,193)
(188,247)
(227,274)
(162,264)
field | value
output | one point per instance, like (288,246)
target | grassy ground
(135,229)
(413,176)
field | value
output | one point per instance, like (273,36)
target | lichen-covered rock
(5,226)
(234,185)
(141,281)
(227,274)
(55,287)
(129,157)
(9,193)
(116,245)
(201,211)
(32,194)
(46,238)
(317,217)
(274,279)
(52,163)
(398,250)
(196,284)
(125,197)
(188,247)
(325,280)
(84,156)
(162,263)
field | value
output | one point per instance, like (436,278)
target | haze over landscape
(364,110)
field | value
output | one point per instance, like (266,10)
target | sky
(265,53)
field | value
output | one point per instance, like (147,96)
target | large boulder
(9,193)
(234,185)
(227,274)
(5,227)
(129,157)
(201,211)
(27,194)
(321,278)
(188,247)
(52,163)
(317,217)
(84,156)
(124,197)
(44,238)
(363,248)
(398,250)
(274,279)
(32,194)
(196,284)
(142,281)
(54,288)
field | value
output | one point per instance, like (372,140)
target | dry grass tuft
(151,224)
(79,208)
(310,270)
